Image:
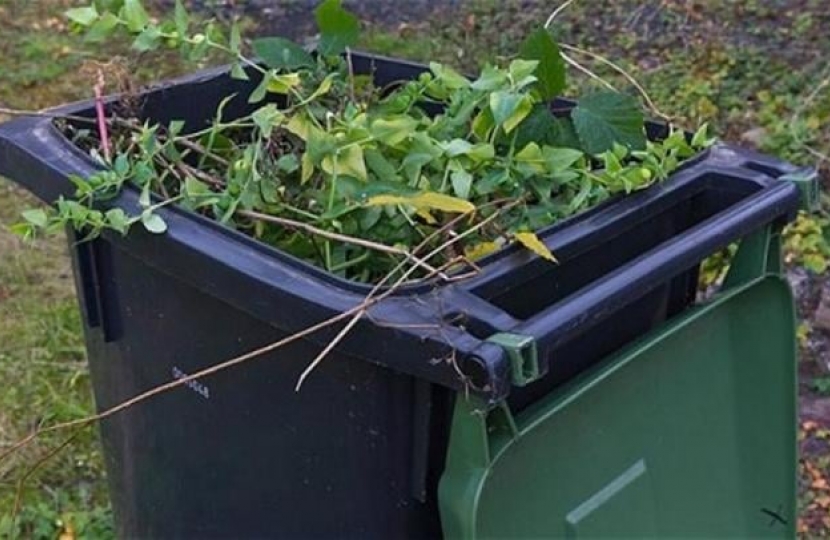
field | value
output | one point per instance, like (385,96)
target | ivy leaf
(427,200)
(380,166)
(261,89)
(605,118)
(477,153)
(560,159)
(118,220)
(530,241)
(235,41)
(349,162)
(461,181)
(522,72)
(509,109)
(323,89)
(393,130)
(36,216)
(147,40)
(238,72)
(267,118)
(283,84)
(338,28)
(181,18)
(481,250)
(153,223)
(84,16)
(101,28)
(550,72)
(279,53)
(196,188)
(134,14)
(491,78)
(448,76)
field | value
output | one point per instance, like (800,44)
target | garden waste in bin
(593,397)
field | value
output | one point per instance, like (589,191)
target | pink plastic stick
(102,120)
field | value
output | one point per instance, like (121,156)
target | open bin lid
(689,432)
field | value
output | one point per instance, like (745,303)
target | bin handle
(558,323)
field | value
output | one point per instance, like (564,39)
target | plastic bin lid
(689,432)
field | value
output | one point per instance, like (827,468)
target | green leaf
(393,130)
(564,134)
(134,14)
(448,76)
(560,159)
(476,152)
(605,118)
(284,83)
(279,53)
(84,16)
(701,138)
(550,73)
(323,89)
(181,18)
(196,188)
(521,72)
(144,197)
(153,223)
(461,181)
(339,29)
(288,163)
(483,124)
(491,78)
(118,220)
(539,126)
(509,109)
(235,43)
(101,28)
(147,40)
(238,72)
(261,89)
(267,118)
(380,166)
(36,216)
(348,161)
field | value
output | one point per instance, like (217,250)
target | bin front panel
(690,432)
(241,454)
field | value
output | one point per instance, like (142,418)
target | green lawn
(754,70)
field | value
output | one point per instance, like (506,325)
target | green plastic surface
(689,432)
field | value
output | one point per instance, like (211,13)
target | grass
(754,69)
(41,347)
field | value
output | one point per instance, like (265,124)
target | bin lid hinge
(523,355)
(807,181)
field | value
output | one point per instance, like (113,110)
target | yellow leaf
(323,89)
(67,532)
(349,161)
(428,200)
(426,216)
(532,242)
(282,84)
(480,250)
(308,168)
(300,126)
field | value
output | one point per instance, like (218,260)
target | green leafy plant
(349,176)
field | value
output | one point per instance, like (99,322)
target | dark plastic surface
(358,451)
